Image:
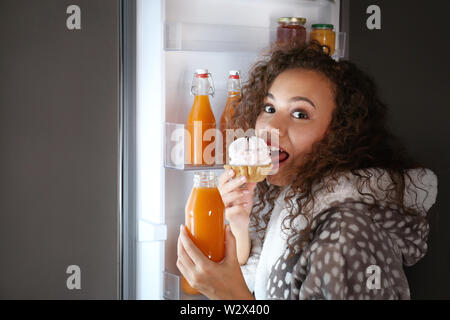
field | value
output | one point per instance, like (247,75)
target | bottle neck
(232,94)
(234,86)
(202,86)
(205,179)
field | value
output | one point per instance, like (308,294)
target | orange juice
(205,220)
(227,115)
(201,113)
(225,120)
(234,95)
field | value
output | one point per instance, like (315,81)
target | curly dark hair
(357,140)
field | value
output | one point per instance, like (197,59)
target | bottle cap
(292,20)
(199,86)
(322,26)
(234,74)
(201,73)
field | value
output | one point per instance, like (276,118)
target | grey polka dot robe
(353,252)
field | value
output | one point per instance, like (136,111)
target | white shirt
(263,256)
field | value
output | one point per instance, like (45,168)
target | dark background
(409,60)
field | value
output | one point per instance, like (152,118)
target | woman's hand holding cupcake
(237,195)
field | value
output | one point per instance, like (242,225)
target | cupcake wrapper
(253,173)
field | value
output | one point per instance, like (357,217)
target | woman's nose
(278,124)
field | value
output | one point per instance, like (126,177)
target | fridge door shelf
(340,44)
(175,146)
(182,36)
(172,289)
(148,231)
(172,286)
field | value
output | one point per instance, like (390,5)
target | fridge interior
(175,37)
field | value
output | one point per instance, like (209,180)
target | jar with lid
(291,30)
(324,34)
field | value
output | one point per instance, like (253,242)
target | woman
(347,206)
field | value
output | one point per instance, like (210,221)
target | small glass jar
(291,30)
(324,34)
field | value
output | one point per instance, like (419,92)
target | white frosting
(249,151)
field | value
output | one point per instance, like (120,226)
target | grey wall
(409,60)
(59,149)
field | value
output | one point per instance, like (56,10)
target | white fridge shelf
(182,36)
(175,146)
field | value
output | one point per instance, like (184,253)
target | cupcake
(250,157)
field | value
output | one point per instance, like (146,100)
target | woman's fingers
(226,176)
(239,196)
(235,211)
(232,184)
(251,186)
(222,280)
(183,256)
(186,272)
(184,262)
(194,253)
(235,197)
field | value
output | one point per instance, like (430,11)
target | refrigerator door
(408,59)
(60,142)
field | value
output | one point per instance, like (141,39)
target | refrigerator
(90,93)
(218,36)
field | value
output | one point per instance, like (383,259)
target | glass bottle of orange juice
(200,151)
(234,95)
(205,219)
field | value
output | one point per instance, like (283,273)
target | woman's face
(299,104)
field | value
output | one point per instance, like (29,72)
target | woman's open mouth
(278,155)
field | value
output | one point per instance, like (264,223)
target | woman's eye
(269,109)
(300,115)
